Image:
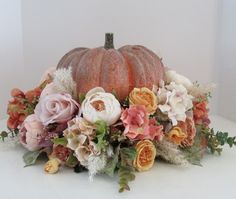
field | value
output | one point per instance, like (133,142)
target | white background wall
(226,59)
(184,32)
(11,51)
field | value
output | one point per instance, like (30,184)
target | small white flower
(173,76)
(174,101)
(99,105)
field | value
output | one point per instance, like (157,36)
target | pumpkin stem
(109,41)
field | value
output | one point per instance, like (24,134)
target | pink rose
(138,126)
(32,133)
(153,131)
(56,108)
(48,74)
(48,90)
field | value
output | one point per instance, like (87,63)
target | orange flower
(200,113)
(33,94)
(189,128)
(146,153)
(21,105)
(176,135)
(144,96)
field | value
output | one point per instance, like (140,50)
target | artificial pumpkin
(116,71)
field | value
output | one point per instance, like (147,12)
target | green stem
(109,41)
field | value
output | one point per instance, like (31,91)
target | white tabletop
(216,179)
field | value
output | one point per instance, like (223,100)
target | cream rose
(99,105)
(144,96)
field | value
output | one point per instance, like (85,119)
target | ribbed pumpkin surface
(115,70)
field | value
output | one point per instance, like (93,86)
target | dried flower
(199,91)
(64,82)
(171,153)
(96,164)
(61,152)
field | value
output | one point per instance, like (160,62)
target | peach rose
(176,135)
(144,96)
(146,153)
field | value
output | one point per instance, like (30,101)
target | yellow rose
(143,96)
(146,153)
(52,166)
(176,135)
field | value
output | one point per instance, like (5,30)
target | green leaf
(81,97)
(71,161)
(126,169)
(79,168)
(101,132)
(128,153)
(60,141)
(125,103)
(125,174)
(113,92)
(30,157)
(194,153)
(112,163)
(3,135)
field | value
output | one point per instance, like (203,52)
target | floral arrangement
(95,132)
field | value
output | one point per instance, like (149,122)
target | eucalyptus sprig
(217,139)
(126,169)
(11,133)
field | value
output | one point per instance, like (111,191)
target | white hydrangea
(174,101)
